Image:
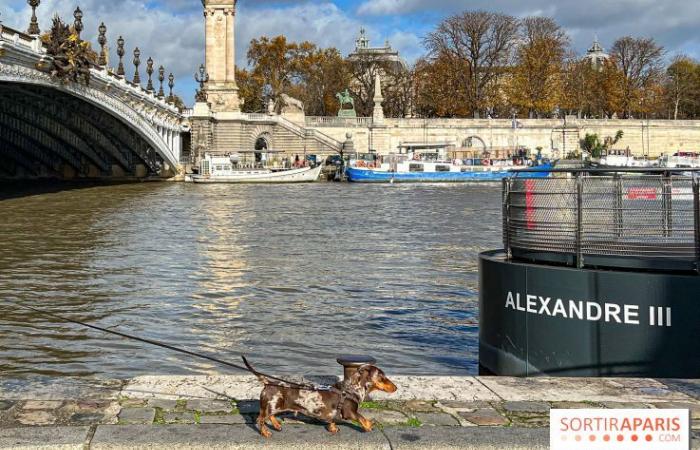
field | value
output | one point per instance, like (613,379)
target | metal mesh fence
(644,216)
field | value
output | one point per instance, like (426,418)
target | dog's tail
(260,376)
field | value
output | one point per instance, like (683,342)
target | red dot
(648,438)
(606,438)
(578,438)
(591,438)
(634,438)
(620,438)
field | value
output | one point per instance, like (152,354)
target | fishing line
(155,343)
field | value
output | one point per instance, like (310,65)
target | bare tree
(484,40)
(682,83)
(641,62)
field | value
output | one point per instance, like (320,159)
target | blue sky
(172,31)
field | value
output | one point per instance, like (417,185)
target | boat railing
(630,218)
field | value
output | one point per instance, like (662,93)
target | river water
(291,275)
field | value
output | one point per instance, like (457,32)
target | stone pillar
(378,113)
(221,89)
(379,134)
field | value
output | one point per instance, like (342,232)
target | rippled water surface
(292,275)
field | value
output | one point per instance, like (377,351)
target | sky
(172,31)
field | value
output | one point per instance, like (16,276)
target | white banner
(619,429)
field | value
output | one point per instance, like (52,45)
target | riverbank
(218,411)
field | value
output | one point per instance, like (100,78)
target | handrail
(646,219)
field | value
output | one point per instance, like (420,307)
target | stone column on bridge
(222,91)
(379,134)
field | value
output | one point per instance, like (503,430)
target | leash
(164,345)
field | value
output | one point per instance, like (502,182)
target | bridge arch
(100,130)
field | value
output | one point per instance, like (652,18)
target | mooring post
(351,363)
(579,220)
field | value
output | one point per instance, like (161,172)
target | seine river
(291,275)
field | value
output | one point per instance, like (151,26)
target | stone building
(219,126)
(596,55)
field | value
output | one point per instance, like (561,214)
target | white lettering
(531,306)
(576,309)
(589,311)
(544,309)
(559,308)
(510,303)
(631,314)
(612,311)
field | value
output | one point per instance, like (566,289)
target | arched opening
(47,133)
(261,146)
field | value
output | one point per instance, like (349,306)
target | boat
(225,169)
(432,168)
(681,160)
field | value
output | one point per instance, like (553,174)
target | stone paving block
(621,405)
(575,405)
(61,438)
(527,407)
(87,419)
(230,419)
(485,417)
(385,416)
(436,419)
(133,402)
(419,406)
(36,418)
(137,415)
(41,405)
(210,406)
(179,417)
(694,408)
(162,403)
(462,406)
(6,405)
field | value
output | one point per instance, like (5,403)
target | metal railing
(631,218)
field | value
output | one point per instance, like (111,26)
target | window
(416,168)
(442,168)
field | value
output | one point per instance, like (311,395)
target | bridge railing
(23,39)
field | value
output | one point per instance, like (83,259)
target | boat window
(227,168)
(442,168)
(219,168)
(416,168)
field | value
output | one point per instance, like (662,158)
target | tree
(438,92)
(250,89)
(272,67)
(640,63)
(592,144)
(537,79)
(320,74)
(476,44)
(683,86)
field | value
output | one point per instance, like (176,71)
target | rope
(161,344)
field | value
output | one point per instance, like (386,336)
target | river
(290,275)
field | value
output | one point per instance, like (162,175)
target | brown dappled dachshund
(339,402)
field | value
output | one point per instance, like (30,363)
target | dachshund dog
(339,402)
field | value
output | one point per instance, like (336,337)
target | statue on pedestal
(344,98)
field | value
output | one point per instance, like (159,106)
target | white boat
(222,169)
(681,160)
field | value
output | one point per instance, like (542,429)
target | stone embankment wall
(555,137)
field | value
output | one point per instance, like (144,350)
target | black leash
(248,368)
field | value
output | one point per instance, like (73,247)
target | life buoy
(416,157)
(486,162)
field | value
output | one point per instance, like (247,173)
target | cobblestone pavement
(504,409)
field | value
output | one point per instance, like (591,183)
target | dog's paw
(332,428)
(265,433)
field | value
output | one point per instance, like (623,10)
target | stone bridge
(52,128)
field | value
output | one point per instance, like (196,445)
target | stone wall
(556,138)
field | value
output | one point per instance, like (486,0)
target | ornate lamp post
(161,78)
(34,24)
(120,53)
(202,77)
(78,24)
(171,85)
(137,63)
(102,40)
(149,71)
